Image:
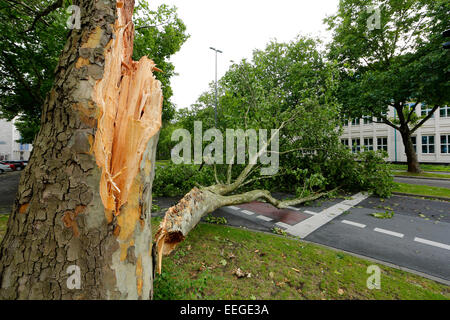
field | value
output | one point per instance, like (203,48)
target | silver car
(4,168)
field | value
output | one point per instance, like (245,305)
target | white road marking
(391,233)
(293,208)
(233,208)
(310,212)
(356,224)
(282,224)
(432,243)
(264,218)
(306,227)
(248,212)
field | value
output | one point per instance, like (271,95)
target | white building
(431,141)
(9,148)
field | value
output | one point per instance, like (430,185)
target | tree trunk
(80,226)
(411,155)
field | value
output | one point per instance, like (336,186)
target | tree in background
(399,63)
(32,36)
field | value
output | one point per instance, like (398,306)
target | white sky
(236,27)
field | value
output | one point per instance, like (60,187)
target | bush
(366,171)
(176,180)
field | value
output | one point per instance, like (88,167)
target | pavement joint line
(310,212)
(355,224)
(432,243)
(308,226)
(282,224)
(249,213)
(391,233)
(264,218)
(234,208)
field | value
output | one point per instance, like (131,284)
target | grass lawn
(422,190)
(424,167)
(423,174)
(280,267)
(3,224)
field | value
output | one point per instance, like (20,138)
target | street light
(215,110)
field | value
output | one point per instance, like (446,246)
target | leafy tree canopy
(32,35)
(398,62)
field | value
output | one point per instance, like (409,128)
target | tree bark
(411,155)
(84,200)
(405,131)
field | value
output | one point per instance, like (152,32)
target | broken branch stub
(129,99)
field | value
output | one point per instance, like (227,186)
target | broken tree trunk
(80,226)
(180,219)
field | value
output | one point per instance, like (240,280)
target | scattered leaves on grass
(241,274)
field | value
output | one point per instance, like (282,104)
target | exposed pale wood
(130,101)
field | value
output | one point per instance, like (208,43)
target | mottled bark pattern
(58,219)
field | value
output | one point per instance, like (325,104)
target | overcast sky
(236,27)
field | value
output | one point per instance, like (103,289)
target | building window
(445,143)
(356,145)
(344,142)
(414,142)
(427,144)
(445,112)
(382,144)
(368,144)
(367,120)
(426,110)
(345,122)
(355,122)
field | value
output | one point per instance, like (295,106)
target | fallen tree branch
(186,214)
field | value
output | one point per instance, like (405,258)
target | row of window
(444,113)
(428,144)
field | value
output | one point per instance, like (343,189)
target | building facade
(9,148)
(431,141)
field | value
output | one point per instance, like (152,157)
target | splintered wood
(130,102)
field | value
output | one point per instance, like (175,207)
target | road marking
(249,213)
(282,224)
(432,243)
(234,208)
(293,208)
(310,212)
(391,233)
(356,224)
(264,218)
(306,227)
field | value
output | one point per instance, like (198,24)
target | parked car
(4,168)
(13,167)
(20,165)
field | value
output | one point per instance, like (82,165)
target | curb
(421,196)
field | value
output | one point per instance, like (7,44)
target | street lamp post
(215,110)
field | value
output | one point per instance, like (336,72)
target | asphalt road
(9,183)
(417,237)
(424,182)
